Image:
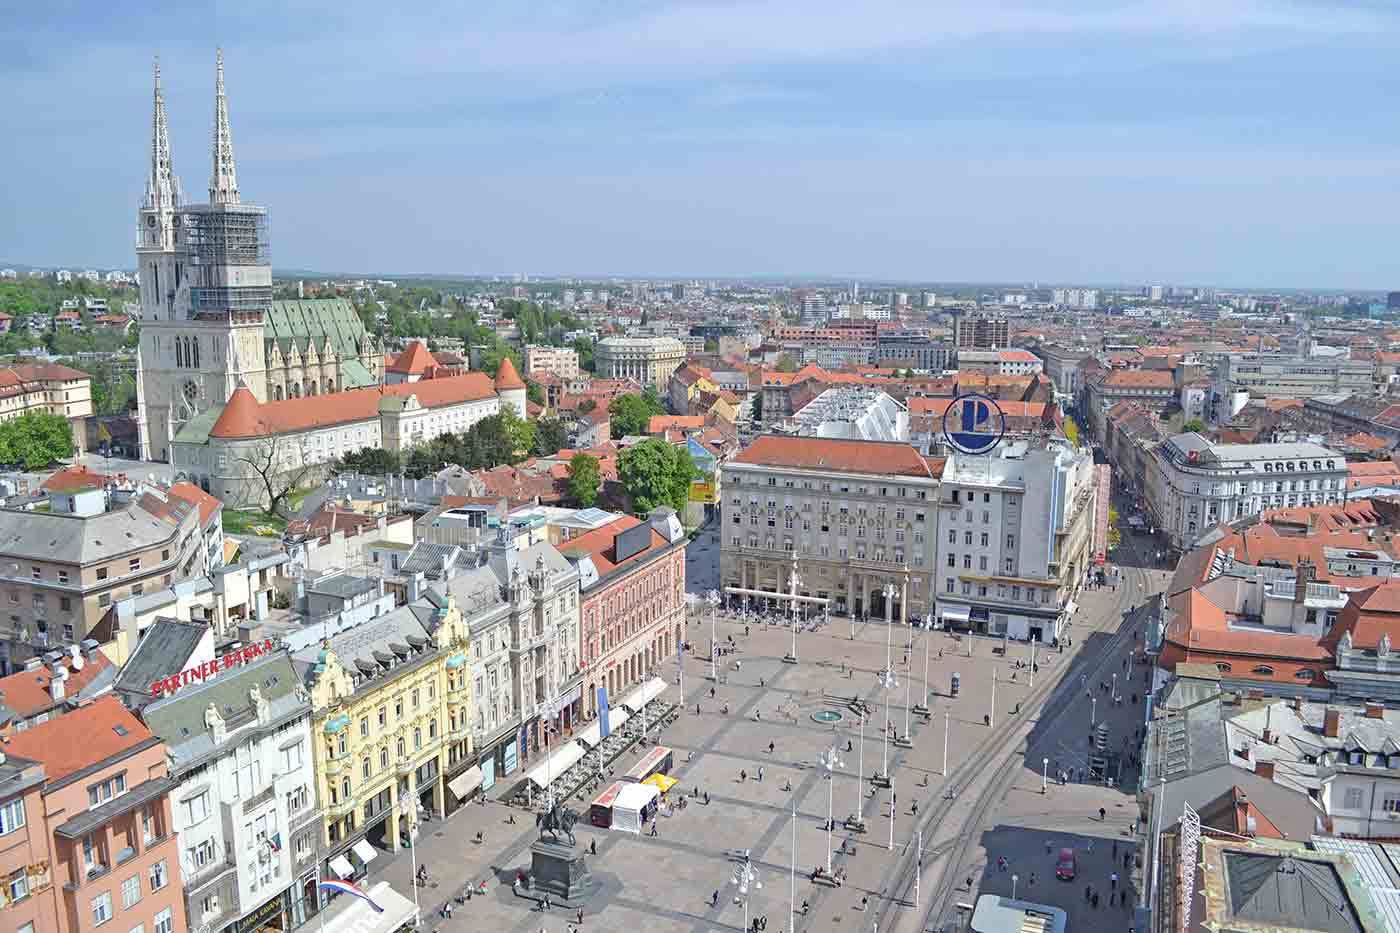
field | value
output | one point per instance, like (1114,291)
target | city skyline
(1236,148)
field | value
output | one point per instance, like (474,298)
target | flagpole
(412,852)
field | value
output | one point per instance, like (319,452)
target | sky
(1239,144)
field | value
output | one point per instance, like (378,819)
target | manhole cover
(827,716)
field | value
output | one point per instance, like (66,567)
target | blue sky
(1235,143)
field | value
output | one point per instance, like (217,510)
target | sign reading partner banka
(208,669)
(973,424)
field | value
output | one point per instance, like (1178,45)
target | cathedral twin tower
(208,320)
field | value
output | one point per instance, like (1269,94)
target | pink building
(102,815)
(27,894)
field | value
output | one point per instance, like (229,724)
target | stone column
(394,809)
(904,601)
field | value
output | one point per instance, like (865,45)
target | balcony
(92,874)
(404,766)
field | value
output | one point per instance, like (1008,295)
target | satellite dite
(977,424)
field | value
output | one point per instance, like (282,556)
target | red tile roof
(73,479)
(244,416)
(192,494)
(660,423)
(844,456)
(1139,379)
(27,692)
(507,377)
(79,739)
(599,545)
(415,360)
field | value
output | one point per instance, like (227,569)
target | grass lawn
(254,522)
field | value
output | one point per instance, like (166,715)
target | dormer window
(1356,757)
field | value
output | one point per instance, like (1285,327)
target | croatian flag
(604,729)
(274,842)
(345,887)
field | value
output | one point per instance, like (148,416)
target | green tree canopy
(786,364)
(629,414)
(372,461)
(550,437)
(584,480)
(1195,425)
(35,440)
(656,473)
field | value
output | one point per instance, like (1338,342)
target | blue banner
(603,727)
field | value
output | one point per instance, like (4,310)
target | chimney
(1332,723)
(1265,769)
(1306,574)
(1268,737)
(60,674)
(1374,710)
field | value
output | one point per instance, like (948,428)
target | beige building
(61,571)
(50,388)
(649,360)
(848,516)
(561,361)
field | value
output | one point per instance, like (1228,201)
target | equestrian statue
(557,820)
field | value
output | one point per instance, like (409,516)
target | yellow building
(392,716)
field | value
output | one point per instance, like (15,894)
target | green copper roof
(323,318)
(355,376)
(196,430)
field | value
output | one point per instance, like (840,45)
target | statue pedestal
(560,871)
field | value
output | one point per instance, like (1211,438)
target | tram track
(993,753)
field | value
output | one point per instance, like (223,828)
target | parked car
(1065,865)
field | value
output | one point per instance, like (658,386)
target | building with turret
(208,322)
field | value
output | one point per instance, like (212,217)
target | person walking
(1113,881)
(760,774)
(714,898)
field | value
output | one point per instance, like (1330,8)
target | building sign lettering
(201,672)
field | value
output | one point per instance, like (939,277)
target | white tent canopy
(565,756)
(644,694)
(352,915)
(629,804)
(594,733)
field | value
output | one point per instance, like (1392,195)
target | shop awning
(364,851)
(644,694)
(350,914)
(955,611)
(593,734)
(342,867)
(560,760)
(466,782)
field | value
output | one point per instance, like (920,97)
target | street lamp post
(1114,694)
(992,719)
(793,581)
(1032,663)
(946,721)
(1093,711)
(829,762)
(1014,879)
(890,847)
(889,623)
(713,600)
(745,878)
(889,682)
(1044,773)
(859,824)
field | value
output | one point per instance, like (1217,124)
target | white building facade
(245,810)
(1014,539)
(1194,485)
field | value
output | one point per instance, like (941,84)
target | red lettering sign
(206,669)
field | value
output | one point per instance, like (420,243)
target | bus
(600,811)
(656,761)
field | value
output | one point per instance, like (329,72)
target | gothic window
(190,393)
(277,393)
(179,352)
(194,351)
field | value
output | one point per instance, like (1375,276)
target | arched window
(1263,669)
(345,788)
(1222,667)
(364,768)
(194,356)
(1306,673)
(179,352)
(277,393)
(311,388)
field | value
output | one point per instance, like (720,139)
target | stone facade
(649,360)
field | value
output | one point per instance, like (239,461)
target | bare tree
(280,463)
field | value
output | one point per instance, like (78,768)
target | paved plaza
(994,805)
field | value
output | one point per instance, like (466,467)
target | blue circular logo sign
(977,424)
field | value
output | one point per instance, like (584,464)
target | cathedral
(209,324)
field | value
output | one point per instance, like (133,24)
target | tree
(587,405)
(550,437)
(584,347)
(656,473)
(1072,431)
(629,414)
(584,479)
(280,464)
(1194,426)
(786,364)
(1115,537)
(371,461)
(711,345)
(757,406)
(534,393)
(35,440)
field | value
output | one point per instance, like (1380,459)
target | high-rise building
(1392,300)
(208,321)
(981,332)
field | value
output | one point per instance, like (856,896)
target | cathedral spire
(223,184)
(160,186)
